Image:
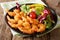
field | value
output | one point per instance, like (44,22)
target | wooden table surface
(5,33)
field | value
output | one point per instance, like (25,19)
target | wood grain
(55,35)
(5,33)
(17,38)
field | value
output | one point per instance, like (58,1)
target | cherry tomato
(32,15)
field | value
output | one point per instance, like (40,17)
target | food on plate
(42,28)
(11,20)
(13,25)
(30,18)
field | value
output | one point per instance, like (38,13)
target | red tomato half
(32,15)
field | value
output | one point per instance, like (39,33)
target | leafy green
(39,9)
(49,18)
(48,22)
(25,8)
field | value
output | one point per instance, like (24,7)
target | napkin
(9,5)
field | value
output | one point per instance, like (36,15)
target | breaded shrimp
(34,27)
(11,13)
(12,25)
(29,31)
(22,13)
(25,28)
(19,25)
(35,21)
(26,25)
(16,11)
(20,22)
(41,28)
(29,19)
(24,19)
(17,17)
(11,20)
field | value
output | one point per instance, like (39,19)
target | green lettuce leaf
(39,9)
(25,8)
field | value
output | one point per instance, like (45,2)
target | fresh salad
(30,18)
(39,12)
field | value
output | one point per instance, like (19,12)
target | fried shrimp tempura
(28,31)
(17,17)
(11,20)
(11,13)
(41,27)
(16,11)
(13,25)
(24,23)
